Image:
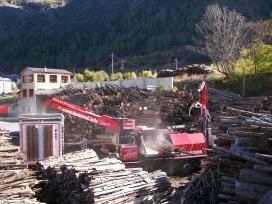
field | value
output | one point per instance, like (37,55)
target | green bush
(126,75)
(80,77)
(146,74)
(133,75)
(101,76)
(254,84)
(89,75)
(117,76)
(155,74)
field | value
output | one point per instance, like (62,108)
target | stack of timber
(244,155)
(17,184)
(81,177)
(194,69)
(10,158)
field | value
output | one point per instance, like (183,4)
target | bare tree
(222,34)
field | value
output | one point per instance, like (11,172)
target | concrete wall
(166,82)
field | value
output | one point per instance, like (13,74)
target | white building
(35,79)
(6,85)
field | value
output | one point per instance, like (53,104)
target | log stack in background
(244,141)
(149,108)
(81,177)
(194,69)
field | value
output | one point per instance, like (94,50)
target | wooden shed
(41,136)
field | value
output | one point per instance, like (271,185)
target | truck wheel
(186,167)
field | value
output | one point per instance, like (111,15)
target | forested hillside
(85,32)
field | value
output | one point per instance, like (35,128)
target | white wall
(167,82)
(5,86)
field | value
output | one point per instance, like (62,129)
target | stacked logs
(17,185)
(10,158)
(80,177)
(244,155)
(153,109)
(194,69)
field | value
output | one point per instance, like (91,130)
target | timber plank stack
(244,155)
(81,177)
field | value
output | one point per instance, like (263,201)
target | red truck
(172,151)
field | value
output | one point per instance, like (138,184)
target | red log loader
(176,152)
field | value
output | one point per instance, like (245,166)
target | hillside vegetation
(84,33)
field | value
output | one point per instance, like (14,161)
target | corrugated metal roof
(47,70)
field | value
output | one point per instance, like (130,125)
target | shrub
(155,74)
(101,76)
(146,74)
(117,76)
(89,75)
(126,75)
(80,77)
(133,76)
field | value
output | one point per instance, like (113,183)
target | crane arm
(80,112)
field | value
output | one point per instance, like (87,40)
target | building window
(30,92)
(64,79)
(30,78)
(53,79)
(24,93)
(40,78)
(24,79)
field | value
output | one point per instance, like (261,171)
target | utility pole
(112,74)
(176,60)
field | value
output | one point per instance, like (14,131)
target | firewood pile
(10,158)
(244,154)
(17,184)
(194,69)
(80,177)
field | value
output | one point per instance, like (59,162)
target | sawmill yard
(238,168)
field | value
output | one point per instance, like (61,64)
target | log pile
(10,158)
(244,155)
(80,177)
(194,69)
(17,184)
(153,109)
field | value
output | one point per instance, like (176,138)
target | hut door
(47,141)
(32,142)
